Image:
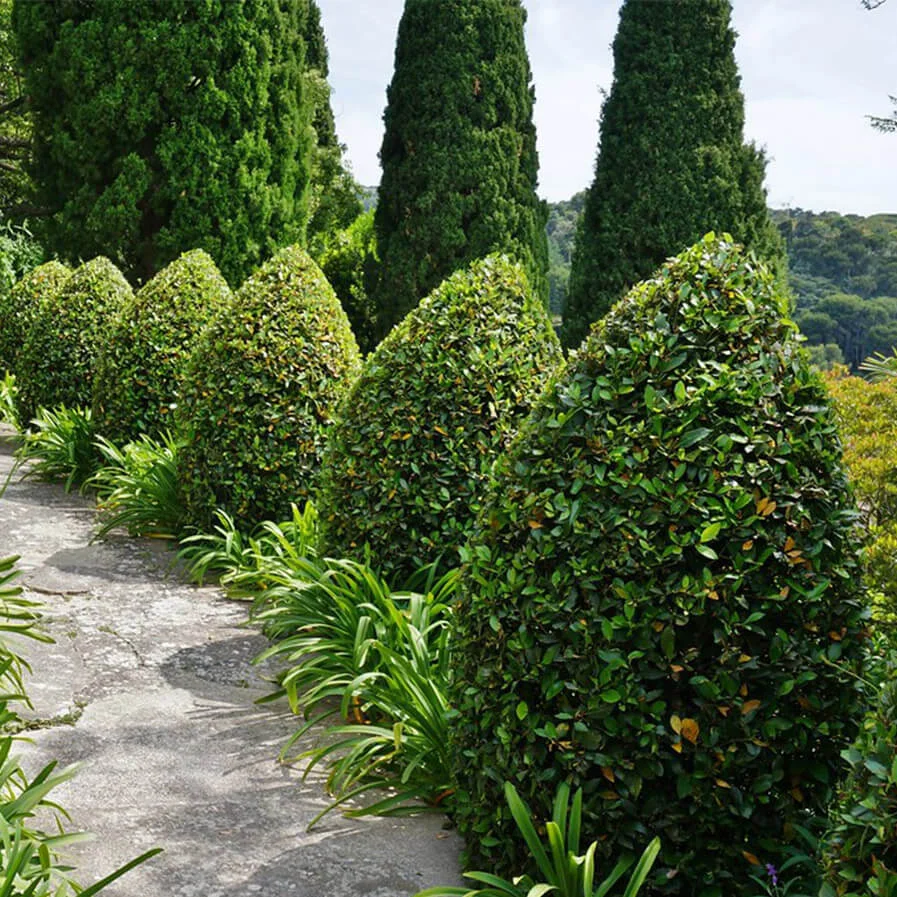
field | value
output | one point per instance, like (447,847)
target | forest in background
(842,273)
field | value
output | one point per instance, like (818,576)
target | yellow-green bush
(867,418)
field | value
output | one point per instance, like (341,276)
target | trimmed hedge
(664,577)
(19,307)
(438,400)
(56,364)
(259,394)
(140,365)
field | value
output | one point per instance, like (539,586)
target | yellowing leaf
(750,858)
(675,724)
(608,773)
(677,747)
(722,783)
(713,595)
(690,730)
(749,707)
(609,795)
(797,794)
(745,658)
(676,668)
(747,546)
(790,544)
(535,524)
(724,711)
(440,431)
(766,506)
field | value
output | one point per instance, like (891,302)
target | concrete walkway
(150,685)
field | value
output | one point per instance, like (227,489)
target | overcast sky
(811,71)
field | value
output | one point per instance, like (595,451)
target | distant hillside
(843,272)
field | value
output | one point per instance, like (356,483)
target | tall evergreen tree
(334,201)
(167,125)
(672,163)
(459,159)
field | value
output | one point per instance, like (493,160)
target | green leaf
(711,532)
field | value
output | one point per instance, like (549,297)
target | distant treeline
(842,273)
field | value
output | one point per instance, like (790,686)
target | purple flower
(773,873)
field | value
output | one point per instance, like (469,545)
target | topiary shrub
(441,396)
(259,394)
(19,306)
(661,585)
(135,386)
(56,364)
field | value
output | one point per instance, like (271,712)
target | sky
(812,70)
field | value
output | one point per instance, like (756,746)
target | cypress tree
(459,153)
(672,163)
(166,125)
(334,201)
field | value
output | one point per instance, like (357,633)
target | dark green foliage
(442,395)
(19,253)
(334,200)
(672,162)
(15,121)
(259,394)
(863,834)
(19,307)
(843,271)
(859,327)
(349,254)
(163,125)
(563,218)
(667,563)
(140,364)
(57,361)
(459,154)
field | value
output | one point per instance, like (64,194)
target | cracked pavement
(150,686)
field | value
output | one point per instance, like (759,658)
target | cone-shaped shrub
(672,161)
(57,361)
(661,585)
(440,398)
(259,394)
(19,306)
(460,166)
(140,365)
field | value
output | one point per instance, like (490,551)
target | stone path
(150,685)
